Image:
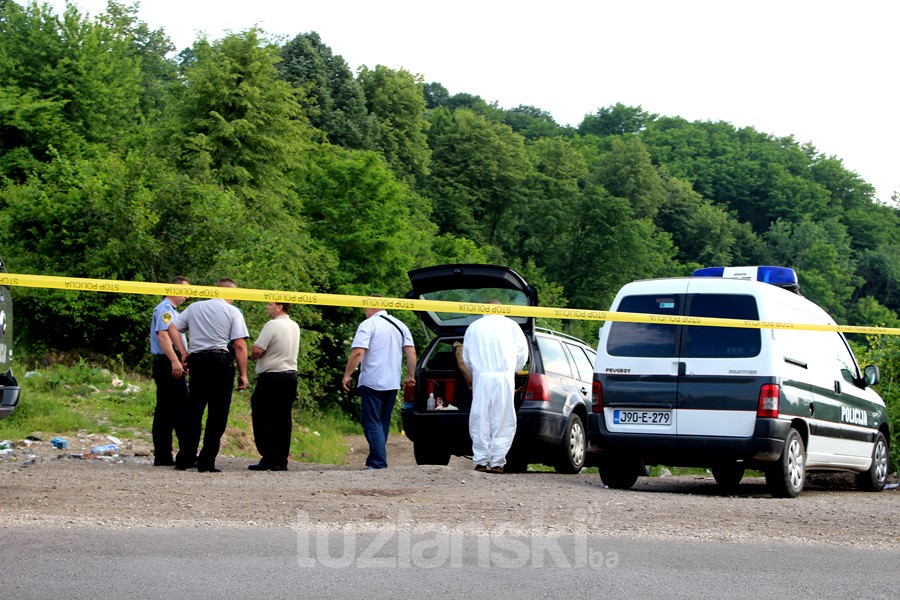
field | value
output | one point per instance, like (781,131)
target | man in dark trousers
(275,352)
(168,373)
(380,342)
(213,324)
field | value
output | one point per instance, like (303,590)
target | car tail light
(538,389)
(769,396)
(596,397)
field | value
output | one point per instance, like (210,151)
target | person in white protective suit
(494,348)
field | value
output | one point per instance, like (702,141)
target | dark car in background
(9,387)
(553,390)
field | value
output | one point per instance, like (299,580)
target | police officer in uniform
(168,373)
(213,325)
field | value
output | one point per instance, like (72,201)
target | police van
(784,401)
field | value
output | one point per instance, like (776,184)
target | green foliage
(820,253)
(616,120)
(884,351)
(531,122)
(337,104)
(63,400)
(395,99)
(270,163)
(478,169)
(626,172)
(358,210)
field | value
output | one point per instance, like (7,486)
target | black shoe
(278,468)
(164,463)
(259,467)
(209,470)
(192,465)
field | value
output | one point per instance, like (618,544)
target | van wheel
(619,475)
(785,476)
(572,448)
(874,479)
(728,475)
(429,454)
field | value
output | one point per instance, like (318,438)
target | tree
(71,83)
(395,99)
(531,123)
(626,171)
(236,115)
(616,120)
(556,180)
(478,169)
(374,224)
(339,104)
(703,233)
(821,255)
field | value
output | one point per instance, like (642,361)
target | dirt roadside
(44,486)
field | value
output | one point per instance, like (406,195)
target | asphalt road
(195,563)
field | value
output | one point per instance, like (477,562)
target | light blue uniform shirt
(164,313)
(213,324)
(380,366)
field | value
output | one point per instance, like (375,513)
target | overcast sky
(823,71)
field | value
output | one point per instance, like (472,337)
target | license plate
(642,417)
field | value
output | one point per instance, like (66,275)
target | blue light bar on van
(780,276)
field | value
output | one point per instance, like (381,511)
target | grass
(66,400)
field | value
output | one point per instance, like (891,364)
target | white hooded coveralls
(494,348)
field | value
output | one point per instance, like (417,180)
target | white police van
(784,401)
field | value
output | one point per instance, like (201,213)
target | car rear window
(645,339)
(721,342)
(652,340)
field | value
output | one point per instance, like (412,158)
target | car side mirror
(871,375)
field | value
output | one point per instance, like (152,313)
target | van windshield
(652,340)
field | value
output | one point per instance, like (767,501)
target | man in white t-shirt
(378,346)
(275,352)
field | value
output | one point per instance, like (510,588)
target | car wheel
(619,474)
(874,479)
(429,454)
(572,448)
(728,475)
(785,476)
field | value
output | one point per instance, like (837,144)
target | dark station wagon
(553,390)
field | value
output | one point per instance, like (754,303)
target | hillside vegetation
(272,163)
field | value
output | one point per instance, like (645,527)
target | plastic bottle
(108,450)
(430,403)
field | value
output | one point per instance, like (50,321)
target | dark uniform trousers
(171,400)
(211,383)
(270,406)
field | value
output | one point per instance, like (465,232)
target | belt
(277,373)
(213,351)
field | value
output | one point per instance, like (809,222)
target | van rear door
(682,379)
(638,364)
(723,367)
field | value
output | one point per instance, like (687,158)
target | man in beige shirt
(275,352)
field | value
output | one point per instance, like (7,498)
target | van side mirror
(871,375)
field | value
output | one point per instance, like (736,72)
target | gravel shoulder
(43,486)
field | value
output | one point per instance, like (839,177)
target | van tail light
(538,389)
(596,397)
(769,396)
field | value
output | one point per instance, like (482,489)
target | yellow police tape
(206,292)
